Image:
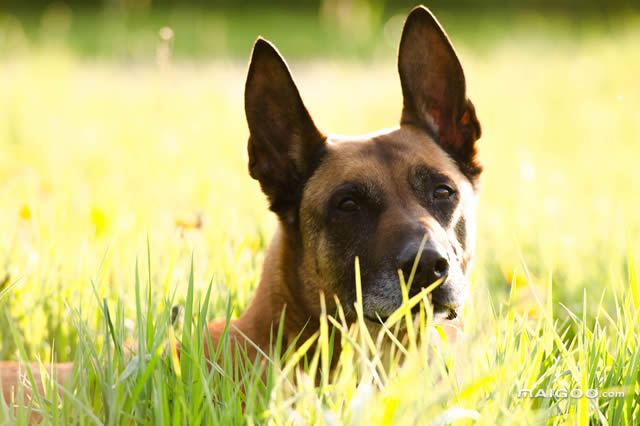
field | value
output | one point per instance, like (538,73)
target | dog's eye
(442,192)
(348,205)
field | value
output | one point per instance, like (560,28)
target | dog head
(378,195)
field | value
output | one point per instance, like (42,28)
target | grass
(124,192)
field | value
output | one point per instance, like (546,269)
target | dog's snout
(431,266)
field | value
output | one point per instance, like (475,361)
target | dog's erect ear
(434,91)
(285,145)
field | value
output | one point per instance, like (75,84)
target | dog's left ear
(434,90)
(284,145)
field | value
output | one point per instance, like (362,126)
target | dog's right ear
(434,89)
(285,145)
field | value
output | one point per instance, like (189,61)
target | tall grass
(376,379)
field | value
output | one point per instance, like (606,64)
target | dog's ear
(285,145)
(434,91)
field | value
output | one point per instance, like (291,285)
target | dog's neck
(280,288)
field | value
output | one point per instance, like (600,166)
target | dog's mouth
(451,314)
(377,320)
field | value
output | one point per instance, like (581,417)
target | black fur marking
(461,232)
(367,195)
(423,181)
(349,234)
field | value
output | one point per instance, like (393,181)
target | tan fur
(14,374)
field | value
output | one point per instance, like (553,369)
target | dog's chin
(375,318)
(440,313)
(446,314)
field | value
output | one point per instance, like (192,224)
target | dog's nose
(431,266)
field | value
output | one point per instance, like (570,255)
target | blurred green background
(126,30)
(123,120)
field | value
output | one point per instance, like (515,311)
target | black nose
(431,266)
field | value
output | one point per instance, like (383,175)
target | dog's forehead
(397,145)
(383,157)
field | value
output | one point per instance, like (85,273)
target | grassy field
(108,162)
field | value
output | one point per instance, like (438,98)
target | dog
(381,197)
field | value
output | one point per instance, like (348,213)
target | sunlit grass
(98,159)
(414,383)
